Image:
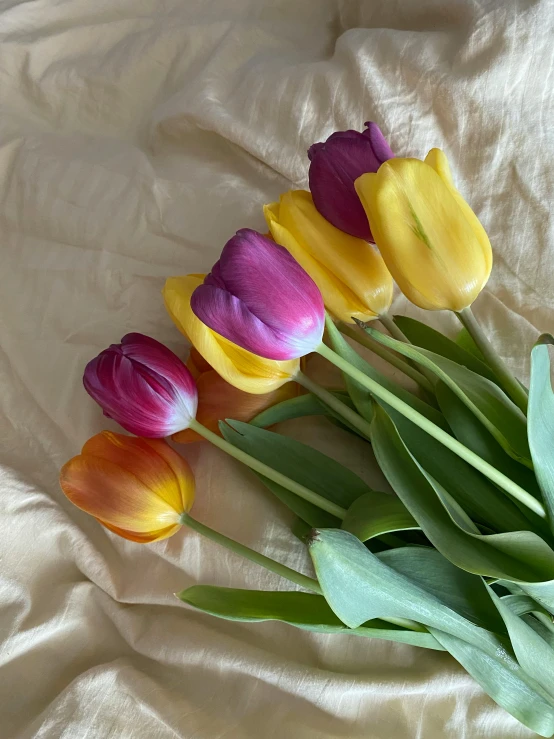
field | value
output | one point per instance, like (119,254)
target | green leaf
(471,432)
(482,500)
(486,400)
(303,405)
(303,610)
(377,513)
(464,340)
(503,683)
(541,422)
(520,556)
(301,463)
(531,650)
(463,592)
(359,586)
(428,338)
(361,397)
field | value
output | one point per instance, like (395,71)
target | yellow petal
(432,243)
(142,538)
(349,272)
(218,400)
(240,368)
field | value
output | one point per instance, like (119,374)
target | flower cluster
(467,451)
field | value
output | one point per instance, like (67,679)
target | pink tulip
(143,386)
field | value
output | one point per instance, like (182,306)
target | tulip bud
(137,488)
(334,167)
(218,400)
(430,239)
(350,273)
(260,298)
(143,386)
(240,368)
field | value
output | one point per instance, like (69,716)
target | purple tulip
(334,167)
(259,297)
(143,386)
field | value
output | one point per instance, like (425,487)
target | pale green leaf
(541,422)
(377,513)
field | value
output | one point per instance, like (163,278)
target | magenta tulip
(143,386)
(259,297)
(334,167)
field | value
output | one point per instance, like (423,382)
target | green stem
(393,329)
(355,420)
(495,362)
(269,472)
(370,343)
(260,559)
(435,431)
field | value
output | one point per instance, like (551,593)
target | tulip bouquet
(459,554)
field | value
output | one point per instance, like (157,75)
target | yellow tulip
(240,368)
(431,241)
(349,272)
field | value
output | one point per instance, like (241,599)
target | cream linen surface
(135,137)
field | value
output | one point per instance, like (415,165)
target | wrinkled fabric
(135,139)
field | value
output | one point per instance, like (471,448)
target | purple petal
(379,144)
(260,298)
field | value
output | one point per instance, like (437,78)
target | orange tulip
(217,400)
(138,488)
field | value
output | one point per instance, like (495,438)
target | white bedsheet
(135,137)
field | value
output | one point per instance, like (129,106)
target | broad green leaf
(519,556)
(486,400)
(359,586)
(428,338)
(522,604)
(471,432)
(377,513)
(541,422)
(301,463)
(505,684)
(531,650)
(464,340)
(463,592)
(361,397)
(482,500)
(303,610)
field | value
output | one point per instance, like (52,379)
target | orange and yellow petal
(181,469)
(217,400)
(116,496)
(142,538)
(145,461)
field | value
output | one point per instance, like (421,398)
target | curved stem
(260,559)
(355,420)
(435,431)
(269,472)
(370,343)
(393,329)
(495,362)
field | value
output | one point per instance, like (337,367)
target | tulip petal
(350,273)
(142,385)
(115,496)
(260,298)
(218,400)
(244,370)
(142,538)
(434,249)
